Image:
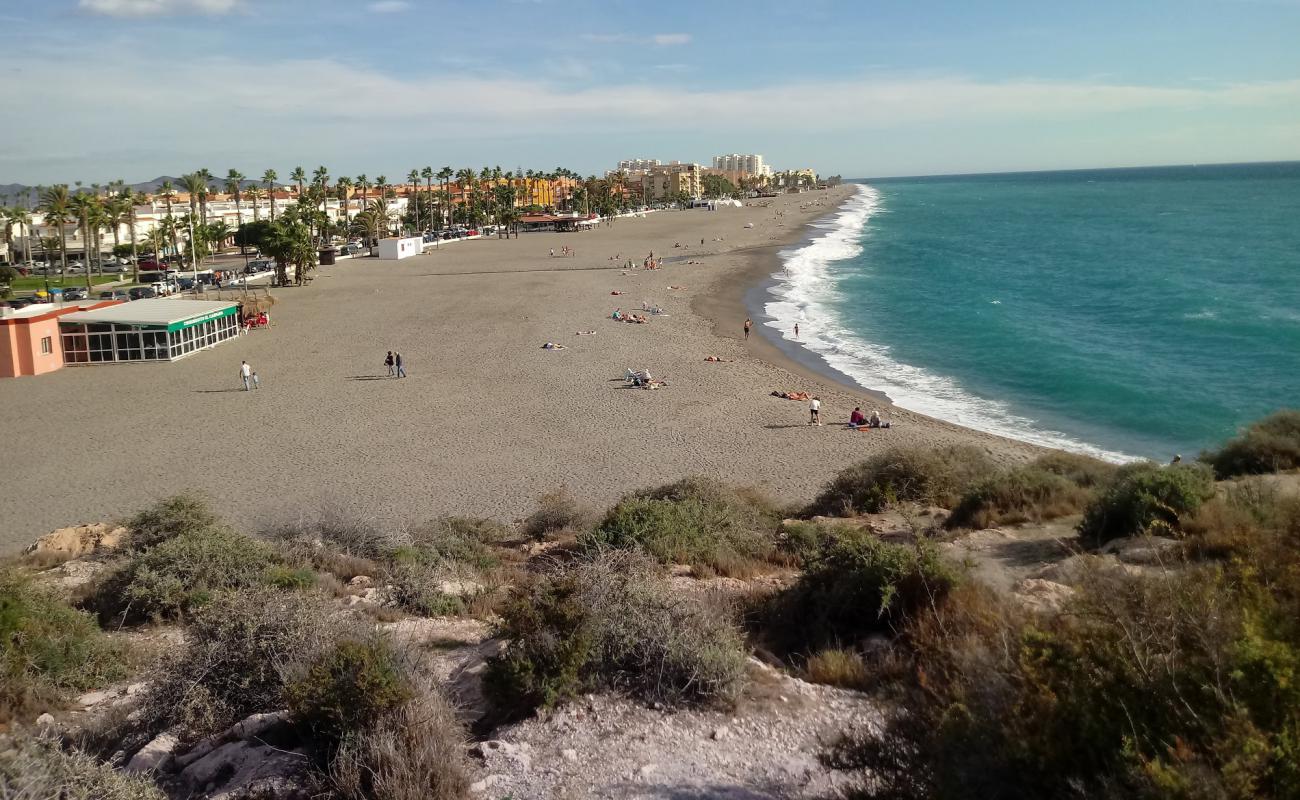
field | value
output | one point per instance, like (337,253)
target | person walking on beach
(397,362)
(388,362)
(245,374)
(749,323)
(815,411)
(796,330)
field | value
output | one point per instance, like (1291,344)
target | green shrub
(558,512)
(177,576)
(1144,498)
(937,477)
(39,769)
(239,650)
(1080,470)
(347,687)
(1269,445)
(1180,686)
(417,587)
(853,585)
(463,540)
(696,521)
(183,514)
(415,752)
(1019,495)
(48,648)
(612,622)
(283,577)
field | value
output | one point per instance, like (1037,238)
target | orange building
(29,338)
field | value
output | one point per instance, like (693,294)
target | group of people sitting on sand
(621,316)
(718,360)
(858,420)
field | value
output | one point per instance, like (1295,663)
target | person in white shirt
(246,373)
(815,411)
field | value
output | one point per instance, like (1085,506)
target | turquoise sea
(1129,312)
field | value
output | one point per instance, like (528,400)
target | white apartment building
(746,163)
(637,165)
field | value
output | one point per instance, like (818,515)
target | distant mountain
(18,194)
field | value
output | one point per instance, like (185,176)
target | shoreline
(488,420)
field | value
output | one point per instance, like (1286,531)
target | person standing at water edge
(397,362)
(749,323)
(815,411)
(388,362)
(245,372)
(796,330)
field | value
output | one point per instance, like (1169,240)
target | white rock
(569,754)
(721,732)
(155,756)
(45,720)
(136,688)
(93,698)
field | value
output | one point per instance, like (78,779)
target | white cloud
(671,39)
(307,109)
(155,8)
(389,6)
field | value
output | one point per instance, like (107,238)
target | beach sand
(487,420)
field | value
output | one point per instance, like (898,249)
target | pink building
(29,337)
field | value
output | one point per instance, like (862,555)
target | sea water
(1123,313)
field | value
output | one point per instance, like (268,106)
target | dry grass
(559,515)
(837,666)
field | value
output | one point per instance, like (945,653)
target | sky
(98,90)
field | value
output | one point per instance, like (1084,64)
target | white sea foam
(804,292)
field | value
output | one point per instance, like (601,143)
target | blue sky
(131,89)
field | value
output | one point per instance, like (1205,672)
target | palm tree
(84,205)
(268,178)
(381,185)
(321,177)
(234,184)
(253,193)
(363,183)
(298,175)
(218,233)
(206,175)
(414,178)
(427,174)
(167,191)
(21,217)
(133,199)
(196,187)
(344,188)
(55,205)
(444,175)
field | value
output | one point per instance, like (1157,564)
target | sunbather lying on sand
(553,346)
(791,395)
(584,333)
(715,359)
(617,292)
(676,287)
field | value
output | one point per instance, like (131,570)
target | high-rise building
(637,165)
(744,163)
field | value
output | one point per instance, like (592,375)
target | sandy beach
(487,420)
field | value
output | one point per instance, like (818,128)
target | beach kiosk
(161,329)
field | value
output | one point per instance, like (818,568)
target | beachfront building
(161,329)
(29,337)
(673,179)
(746,164)
(637,165)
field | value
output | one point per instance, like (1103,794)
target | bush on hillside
(240,650)
(1078,469)
(1250,520)
(1023,494)
(1180,686)
(853,585)
(415,752)
(558,512)
(1269,445)
(419,588)
(177,576)
(1146,498)
(456,540)
(937,477)
(338,533)
(696,521)
(175,516)
(47,648)
(347,687)
(40,769)
(611,622)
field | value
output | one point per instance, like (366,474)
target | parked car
(75,293)
(260,265)
(149,265)
(185,284)
(141,292)
(19,302)
(163,288)
(116,294)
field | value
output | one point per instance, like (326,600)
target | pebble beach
(487,420)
